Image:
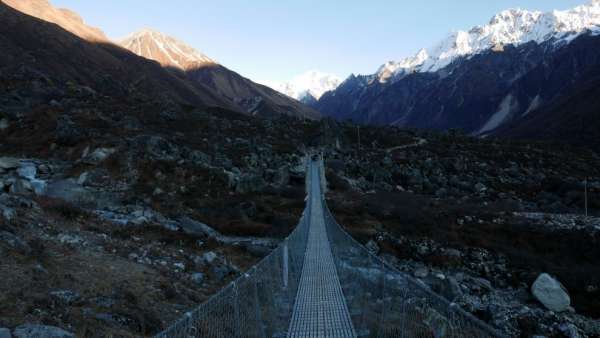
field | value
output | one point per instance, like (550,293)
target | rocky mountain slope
(167,50)
(483,79)
(65,18)
(239,91)
(478,220)
(108,186)
(33,46)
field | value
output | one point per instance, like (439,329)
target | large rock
(21,187)
(4,125)
(551,293)
(99,155)
(41,331)
(15,243)
(9,214)
(196,228)
(27,170)
(157,148)
(5,333)
(9,163)
(198,278)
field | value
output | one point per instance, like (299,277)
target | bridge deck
(320,309)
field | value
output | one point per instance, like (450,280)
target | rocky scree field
(479,220)
(118,214)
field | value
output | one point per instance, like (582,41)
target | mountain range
(244,94)
(494,79)
(179,71)
(308,87)
(525,74)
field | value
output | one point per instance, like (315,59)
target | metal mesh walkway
(320,309)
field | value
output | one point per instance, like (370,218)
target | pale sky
(275,40)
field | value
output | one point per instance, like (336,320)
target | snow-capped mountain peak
(512,26)
(165,49)
(310,84)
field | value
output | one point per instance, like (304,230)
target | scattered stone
(5,333)
(198,277)
(551,293)
(209,257)
(27,170)
(9,214)
(372,246)
(21,187)
(15,243)
(482,283)
(66,296)
(70,239)
(421,272)
(4,124)
(9,163)
(221,271)
(157,192)
(99,155)
(192,227)
(480,187)
(41,331)
(44,169)
(82,178)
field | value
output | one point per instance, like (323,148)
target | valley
(141,177)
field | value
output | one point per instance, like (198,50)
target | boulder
(157,148)
(480,188)
(9,163)
(372,246)
(196,228)
(4,124)
(41,331)
(7,213)
(21,187)
(551,293)
(197,277)
(199,158)
(421,272)
(65,296)
(38,186)
(99,155)
(209,257)
(15,242)
(27,170)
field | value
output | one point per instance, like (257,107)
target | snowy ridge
(312,83)
(165,49)
(513,26)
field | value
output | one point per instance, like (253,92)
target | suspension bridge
(320,282)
